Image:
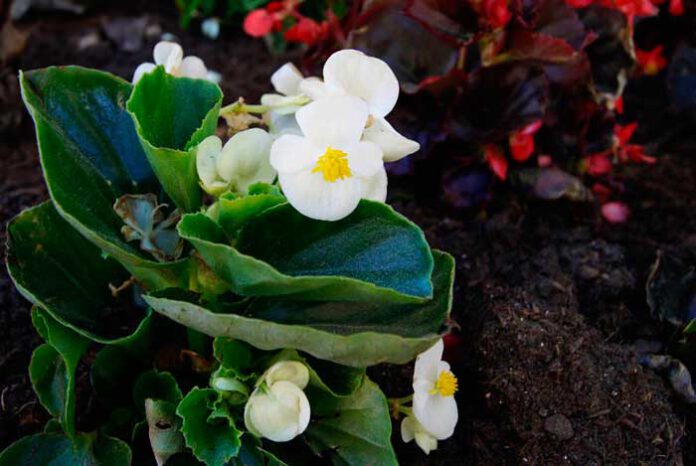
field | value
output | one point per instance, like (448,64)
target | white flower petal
(438,414)
(366,77)
(207,154)
(426,442)
(394,146)
(374,188)
(169,55)
(428,363)
(412,429)
(193,67)
(315,89)
(286,79)
(319,199)
(290,371)
(364,159)
(244,159)
(280,124)
(279,415)
(333,121)
(290,154)
(141,70)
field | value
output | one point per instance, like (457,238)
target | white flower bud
(245,159)
(278,412)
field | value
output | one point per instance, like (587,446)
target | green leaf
(208,430)
(91,155)
(55,449)
(232,211)
(172,115)
(356,334)
(53,366)
(233,355)
(158,386)
(163,429)
(374,254)
(351,430)
(57,269)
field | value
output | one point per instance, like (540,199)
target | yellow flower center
(333,165)
(446,384)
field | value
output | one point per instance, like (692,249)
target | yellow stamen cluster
(446,384)
(333,165)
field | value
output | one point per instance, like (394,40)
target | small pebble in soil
(560,426)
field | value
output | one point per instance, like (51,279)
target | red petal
(615,212)
(625,133)
(598,164)
(521,146)
(676,7)
(258,23)
(497,161)
(651,62)
(306,31)
(619,105)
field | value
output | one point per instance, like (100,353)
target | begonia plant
(227,287)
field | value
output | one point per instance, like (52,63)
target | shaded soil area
(549,300)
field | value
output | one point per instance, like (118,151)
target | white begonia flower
(326,172)
(278,412)
(412,429)
(278,409)
(171,56)
(243,161)
(351,72)
(434,386)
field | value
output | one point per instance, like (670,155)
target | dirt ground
(550,301)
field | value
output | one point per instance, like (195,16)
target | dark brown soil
(549,299)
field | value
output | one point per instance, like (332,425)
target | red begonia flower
(676,7)
(258,23)
(306,31)
(598,164)
(651,62)
(522,141)
(496,13)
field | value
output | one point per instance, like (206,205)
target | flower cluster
(283,17)
(330,138)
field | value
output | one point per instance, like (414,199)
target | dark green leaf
(55,449)
(356,334)
(351,430)
(231,211)
(91,155)
(52,368)
(211,435)
(172,115)
(233,355)
(374,254)
(57,269)
(158,386)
